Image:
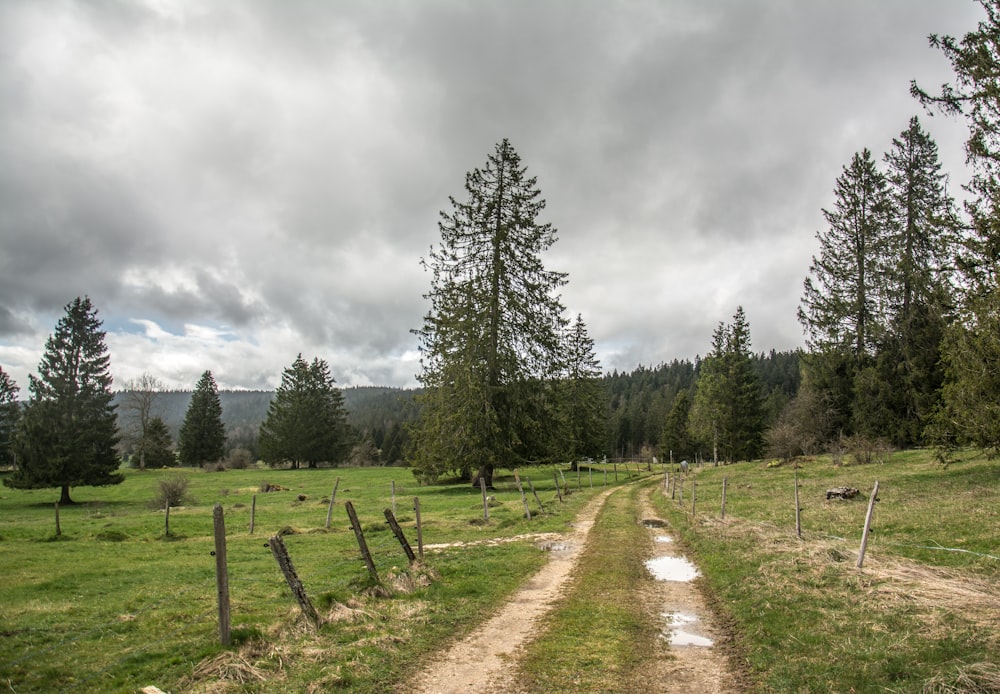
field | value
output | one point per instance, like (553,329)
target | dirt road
(485,660)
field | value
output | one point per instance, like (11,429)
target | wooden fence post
(694,496)
(420,530)
(724,480)
(486,506)
(578,472)
(798,516)
(221,574)
(524,499)
(253,512)
(166,518)
(555,478)
(535,494)
(868,523)
(398,532)
(280,553)
(362,545)
(333,496)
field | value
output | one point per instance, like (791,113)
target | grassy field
(923,613)
(114,604)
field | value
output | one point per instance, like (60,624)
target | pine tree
(843,304)
(728,411)
(10,414)
(490,343)
(584,397)
(676,442)
(157,444)
(67,433)
(203,436)
(306,421)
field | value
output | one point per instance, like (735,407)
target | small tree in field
(67,434)
(203,436)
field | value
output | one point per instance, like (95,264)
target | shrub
(172,491)
(239,459)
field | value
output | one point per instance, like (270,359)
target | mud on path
(485,660)
(694,660)
(482,661)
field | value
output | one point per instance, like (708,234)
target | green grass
(114,604)
(806,618)
(599,637)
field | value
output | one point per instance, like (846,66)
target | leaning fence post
(362,545)
(329,509)
(868,523)
(280,553)
(555,478)
(398,532)
(524,499)
(221,573)
(540,507)
(420,529)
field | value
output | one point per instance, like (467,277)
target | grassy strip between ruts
(599,637)
(808,620)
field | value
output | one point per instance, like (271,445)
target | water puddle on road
(672,569)
(677,633)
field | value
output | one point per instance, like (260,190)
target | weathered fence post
(555,478)
(798,515)
(605,466)
(420,529)
(333,496)
(524,499)
(253,512)
(616,471)
(868,523)
(535,494)
(280,553)
(362,545)
(723,514)
(166,518)
(221,574)
(486,506)
(578,472)
(398,532)
(694,496)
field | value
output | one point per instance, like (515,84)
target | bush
(239,459)
(172,491)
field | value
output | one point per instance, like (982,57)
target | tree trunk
(64,496)
(486,473)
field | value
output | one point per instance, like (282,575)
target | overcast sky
(235,182)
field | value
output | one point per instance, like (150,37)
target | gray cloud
(236,182)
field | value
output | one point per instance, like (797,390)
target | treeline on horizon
(638,402)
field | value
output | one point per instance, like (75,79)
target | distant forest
(638,404)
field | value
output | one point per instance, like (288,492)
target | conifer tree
(491,342)
(585,399)
(10,414)
(203,435)
(306,421)
(67,433)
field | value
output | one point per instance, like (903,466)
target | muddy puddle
(669,568)
(681,628)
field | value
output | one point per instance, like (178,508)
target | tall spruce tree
(491,341)
(10,413)
(306,421)
(728,408)
(904,385)
(67,433)
(203,435)
(968,413)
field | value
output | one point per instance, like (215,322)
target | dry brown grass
(978,678)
